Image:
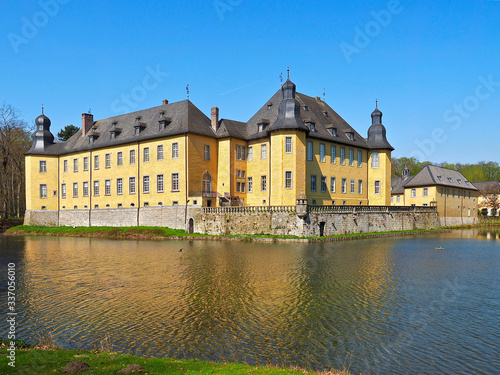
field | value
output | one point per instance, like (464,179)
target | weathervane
(42,109)
(288,72)
(281,77)
(187,90)
(376,103)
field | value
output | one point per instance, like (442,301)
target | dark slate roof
(434,175)
(485,186)
(398,184)
(231,128)
(316,109)
(184,117)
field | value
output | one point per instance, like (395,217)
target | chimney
(87,122)
(164,102)
(215,118)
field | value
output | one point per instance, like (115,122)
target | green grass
(38,361)
(158,233)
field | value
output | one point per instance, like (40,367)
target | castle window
(119,158)
(333,154)
(413,193)
(96,206)
(96,188)
(313,183)
(375,159)
(146,204)
(240,152)
(350,136)
(323,184)
(43,166)
(250,184)
(333,131)
(351,157)
(175,150)
(240,187)
(425,192)
(63,191)
(85,163)
(314,202)
(377,187)
(145,184)
(131,185)
(96,162)
(305,108)
(263,183)
(159,183)
(312,126)
(360,186)
(353,186)
(132,156)
(65,165)
(342,156)
(146,154)
(450,179)
(459,180)
(75,207)
(360,158)
(75,190)
(325,113)
(397,198)
(107,159)
(332,185)
(288,145)
(107,187)
(288,179)
(119,186)
(206,152)
(322,153)
(440,178)
(43,190)
(263,151)
(344,186)
(206,184)
(159,152)
(86,189)
(250,154)
(75,165)
(175,181)
(309,150)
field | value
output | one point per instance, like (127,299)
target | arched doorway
(191,225)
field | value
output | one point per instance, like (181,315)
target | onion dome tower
(289,110)
(42,137)
(376,133)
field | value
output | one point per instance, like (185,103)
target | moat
(378,306)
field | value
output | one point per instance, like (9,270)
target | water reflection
(311,305)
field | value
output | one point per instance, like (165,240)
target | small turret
(42,137)
(376,133)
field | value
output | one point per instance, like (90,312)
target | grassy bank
(161,233)
(44,360)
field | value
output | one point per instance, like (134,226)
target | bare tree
(14,142)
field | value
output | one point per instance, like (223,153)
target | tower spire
(42,109)
(288,72)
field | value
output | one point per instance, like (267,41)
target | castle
(174,155)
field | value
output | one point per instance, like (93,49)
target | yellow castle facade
(174,155)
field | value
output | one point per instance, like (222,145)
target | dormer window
(450,179)
(311,126)
(305,108)
(114,133)
(467,183)
(161,114)
(93,137)
(350,135)
(269,105)
(333,131)
(137,119)
(138,126)
(459,180)
(440,178)
(325,113)
(163,123)
(261,126)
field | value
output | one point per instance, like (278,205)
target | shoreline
(159,233)
(50,360)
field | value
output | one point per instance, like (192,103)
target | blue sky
(433,66)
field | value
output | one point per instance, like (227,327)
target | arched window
(206,184)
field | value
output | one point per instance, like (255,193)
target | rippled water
(375,306)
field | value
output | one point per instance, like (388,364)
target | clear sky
(433,65)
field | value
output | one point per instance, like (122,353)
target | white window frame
(263,183)
(333,154)
(323,184)
(175,181)
(314,183)
(344,186)
(85,189)
(96,161)
(75,165)
(322,152)
(131,185)
(145,184)
(119,186)
(43,166)
(332,184)
(63,191)
(119,158)
(132,157)
(96,188)
(360,186)
(107,160)
(263,151)
(250,154)
(75,189)
(65,165)
(288,179)
(375,160)
(342,156)
(145,154)
(175,150)
(160,183)
(250,184)
(413,193)
(107,187)
(377,187)
(159,152)
(43,191)
(85,163)
(353,186)
(351,157)
(288,145)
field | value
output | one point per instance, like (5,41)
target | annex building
(455,197)
(173,155)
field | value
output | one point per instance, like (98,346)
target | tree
(67,132)
(411,163)
(14,142)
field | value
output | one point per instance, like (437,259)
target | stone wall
(288,223)
(219,221)
(450,221)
